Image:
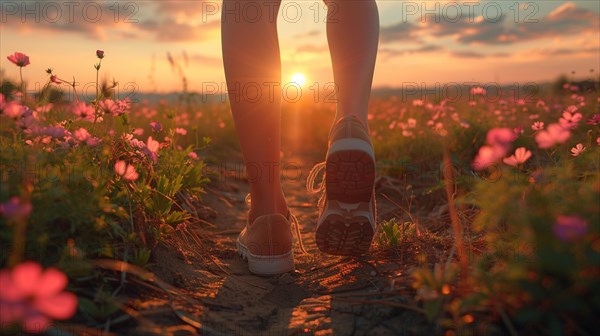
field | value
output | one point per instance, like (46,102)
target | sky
(420,41)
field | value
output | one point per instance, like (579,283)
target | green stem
(97,90)
(21,86)
(97,79)
(72,85)
(130,210)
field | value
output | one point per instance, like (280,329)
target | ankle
(256,212)
(262,204)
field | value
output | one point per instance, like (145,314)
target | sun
(299,79)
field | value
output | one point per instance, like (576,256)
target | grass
(520,244)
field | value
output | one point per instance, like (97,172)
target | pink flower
(417,102)
(44,108)
(193,155)
(55,132)
(553,135)
(487,156)
(537,126)
(19,59)
(83,111)
(412,123)
(14,110)
(499,141)
(54,79)
(181,131)
(572,109)
(33,297)
(124,105)
(28,119)
(407,133)
(151,149)
(138,131)
(478,91)
(152,145)
(125,170)
(502,137)
(517,131)
(598,141)
(135,143)
(100,54)
(570,228)
(156,126)
(521,156)
(577,150)
(109,106)
(82,135)
(92,141)
(595,119)
(570,120)
(15,208)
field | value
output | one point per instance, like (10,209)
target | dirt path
(325,295)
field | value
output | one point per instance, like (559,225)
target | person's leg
(347,221)
(353,36)
(252,66)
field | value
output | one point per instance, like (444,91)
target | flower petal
(120,167)
(26,277)
(60,307)
(511,161)
(8,291)
(51,283)
(544,140)
(131,174)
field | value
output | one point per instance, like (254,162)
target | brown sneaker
(346,223)
(267,244)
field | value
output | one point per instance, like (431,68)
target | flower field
(510,181)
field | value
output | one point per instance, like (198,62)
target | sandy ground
(215,294)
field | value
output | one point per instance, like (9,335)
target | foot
(346,223)
(267,244)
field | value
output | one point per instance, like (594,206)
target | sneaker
(347,217)
(267,243)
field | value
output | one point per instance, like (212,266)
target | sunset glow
(299,79)
(535,42)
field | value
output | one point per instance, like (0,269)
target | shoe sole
(337,235)
(266,265)
(349,180)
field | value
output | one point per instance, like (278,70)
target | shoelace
(312,177)
(311,181)
(293,219)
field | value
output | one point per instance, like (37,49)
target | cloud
(467,54)
(402,31)
(171,31)
(164,21)
(309,34)
(390,52)
(565,20)
(186,8)
(546,52)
